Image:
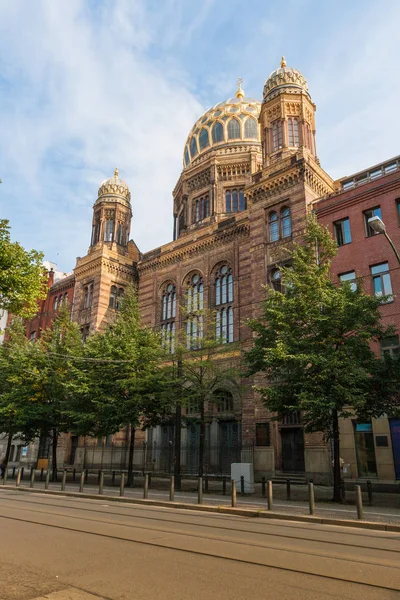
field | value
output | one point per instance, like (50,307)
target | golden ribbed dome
(114,188)
(284,79)
(226,124)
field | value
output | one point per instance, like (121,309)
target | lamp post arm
(393,247)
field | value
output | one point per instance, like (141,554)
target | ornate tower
(287,115)
(110,264)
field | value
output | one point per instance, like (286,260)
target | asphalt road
(62,548)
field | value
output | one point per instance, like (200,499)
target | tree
(313,345)
(59,379)
(198,369)
(123,365)
(18,406)
(22,278)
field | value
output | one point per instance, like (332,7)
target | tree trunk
(336,458)
(54,457)
(8,450)
(201,440)
(129,482)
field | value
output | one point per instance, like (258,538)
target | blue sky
(87,85)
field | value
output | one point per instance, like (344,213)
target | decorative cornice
(218,238)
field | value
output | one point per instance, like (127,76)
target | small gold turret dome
(285,79)
(114,188)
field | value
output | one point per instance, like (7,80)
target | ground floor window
(365,449)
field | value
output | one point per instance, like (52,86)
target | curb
(226,510)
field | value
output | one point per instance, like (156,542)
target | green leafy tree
(123,366)
(22,278)
(18,403)
(313,344)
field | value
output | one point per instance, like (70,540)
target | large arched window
(168,315)
(119,298)
(233,129)
(235,201)
(286,222)
(95,231)
(224,305)
(193,147)
(223,401)
(250,128)
(293,132)
(121,237)
(277,138)
(55,303)
(217,132)
(273,220)
(194,307)
(204,140)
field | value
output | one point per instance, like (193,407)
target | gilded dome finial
(283,62)
(116,172)
(239,91)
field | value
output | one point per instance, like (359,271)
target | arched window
(168,315)
(223,401)
(277,139)
(201,208)
(109,230)
(250,128)
(273,226)
(286,222)
(217,132)
(276,280)
(235,201)
(204,139)
(293,132)
(55,303)
(121,235)
(118,301)
(224,305)
(233,129)
(95,231)
(194,306)
(112,303)
(193,147)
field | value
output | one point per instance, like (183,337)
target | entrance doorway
(292,450)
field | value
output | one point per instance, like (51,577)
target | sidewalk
(296,506)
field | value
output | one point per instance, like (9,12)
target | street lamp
(378,226)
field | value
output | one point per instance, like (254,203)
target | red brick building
(371,449)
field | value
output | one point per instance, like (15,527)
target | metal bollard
(206,484)
(87,475)
(287,489)
(224,486)
(172,488)
(242,485)
(359,502)
(22,474)
(270,496)
(64,480)
(150,480)
(122,485)
(46,483)
(82,482)
(41,474)
(74,475)
(311,498)
(18,480)
(101,483)
(32,478)
(200,491)
(233,493)
(146,486)
(369,490)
